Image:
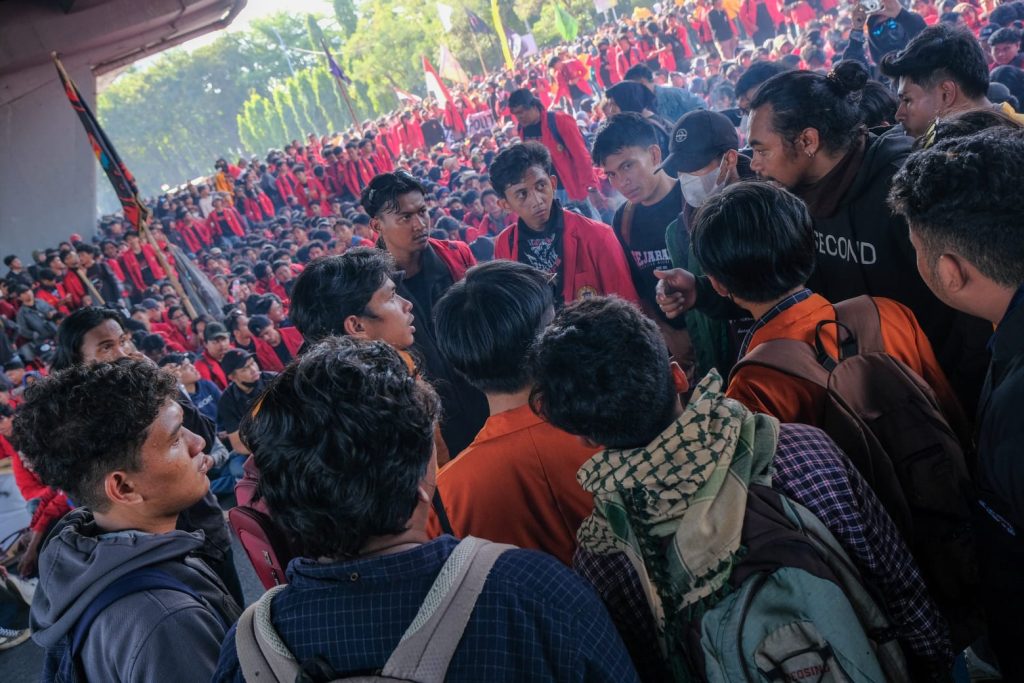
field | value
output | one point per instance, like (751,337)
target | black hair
(939,53)
(342,439)
(627,129)
(1005,35)
(261,270)
(878,105)
(487,193)
(962,194)
(511,164)
(332,288)
(83,248)
(384,190)
(601,371)
(756,239)
(9,259)
(829,104)
(1012,78)
(523,98)
(487,322)
(758,73)
(81,423)
(1003,15)
(639,72)
(72,330)
(45,274)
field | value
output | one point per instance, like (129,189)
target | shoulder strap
(144,579)
(442,514)
(553,127)
(262,655)
(788,356)
(627,221)
(428,645)
(862,316)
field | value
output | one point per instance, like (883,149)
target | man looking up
(216,343)
(582,255)
(961,199)
(396,204)
(111,436)
(516,483)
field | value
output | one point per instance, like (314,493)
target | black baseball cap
(697,139)
(233,360)
(214,331)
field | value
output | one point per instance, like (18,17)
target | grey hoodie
(155,635)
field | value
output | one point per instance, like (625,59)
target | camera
(871,6)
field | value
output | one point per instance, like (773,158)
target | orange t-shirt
(516,483)
(795,400)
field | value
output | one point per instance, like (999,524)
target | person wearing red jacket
(216,343)
(275,348)
(224,222)
(584,256)
(309,191)
(761,26)
(627,56)
(397,206)
(561,136)
(140,263)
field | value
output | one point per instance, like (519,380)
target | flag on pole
(404,96)
(135,212)
(565,23)
(476,24)
(435,86)
(500,30)
(335,68)
(445,12)
(449,67)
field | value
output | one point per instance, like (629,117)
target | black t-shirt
(538,249)
(234,403)
(282,352)
(433,132)
(646,251)
(720,24)
(532,132)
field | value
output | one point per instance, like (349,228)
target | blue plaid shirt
(791,300)
(534,620)
(811,470)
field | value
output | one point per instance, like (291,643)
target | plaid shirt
(790,300)
(811,470)
(534,620)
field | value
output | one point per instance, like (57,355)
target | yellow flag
(500,29)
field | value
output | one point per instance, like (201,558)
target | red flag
(135,212)
(435,85)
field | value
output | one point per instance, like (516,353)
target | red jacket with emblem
(593,263)
(571,158)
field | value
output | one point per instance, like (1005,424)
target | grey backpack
(426,648)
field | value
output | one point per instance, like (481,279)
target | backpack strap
(262,655)
(861,315)
(788,356)
(627,221)
(428,645)
(442,514)
(137,581)
(553,127)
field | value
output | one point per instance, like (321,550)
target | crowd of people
(688,351)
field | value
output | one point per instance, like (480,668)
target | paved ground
(24,663)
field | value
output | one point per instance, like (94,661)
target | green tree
(345,12)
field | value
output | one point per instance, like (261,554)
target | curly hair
(81,423)
(963,195)
(342,439)
(601,371)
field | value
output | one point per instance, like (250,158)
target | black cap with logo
(697,139)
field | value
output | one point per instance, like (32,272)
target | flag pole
(120,178)
(348,103)
(479,53)
(338,73)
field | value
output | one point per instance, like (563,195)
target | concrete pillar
(48,173)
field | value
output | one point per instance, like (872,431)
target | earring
(810,154)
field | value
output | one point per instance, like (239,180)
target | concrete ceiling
(105,35)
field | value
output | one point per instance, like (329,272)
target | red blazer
(266,357)
(210,369)
(593,263)
(130,262)
(456,255)
(572,161)
(74,286)
(234,221)
(748,14)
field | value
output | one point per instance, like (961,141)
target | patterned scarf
(675,507)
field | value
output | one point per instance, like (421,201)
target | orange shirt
(795,400)
(516,483)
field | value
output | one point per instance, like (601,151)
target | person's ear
(554,182)
(809,142)
(952,273)
(375,225)
(948,92)
(730,161)
(120,488)
(679,379)
(353,326)
(655,152)
(718,287)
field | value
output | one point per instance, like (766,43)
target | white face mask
(698,188)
